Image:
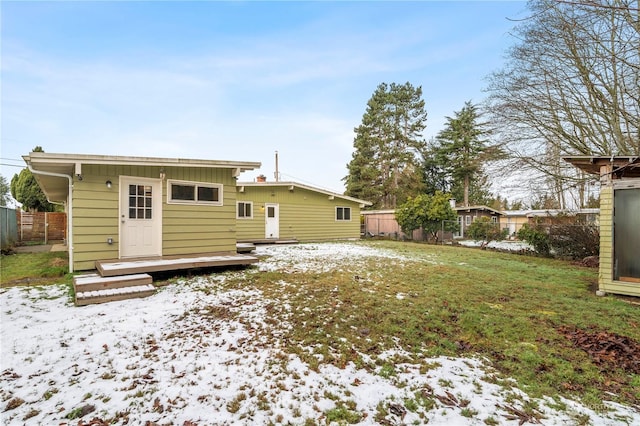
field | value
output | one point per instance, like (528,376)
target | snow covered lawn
(500,245)
(196,354)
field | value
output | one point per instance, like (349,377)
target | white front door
(140,217)
(272,221)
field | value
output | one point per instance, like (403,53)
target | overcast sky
(234,80)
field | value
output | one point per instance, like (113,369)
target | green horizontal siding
(304,215)
(95,216)
(186,229)
(605,275)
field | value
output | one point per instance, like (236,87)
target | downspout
(69,209)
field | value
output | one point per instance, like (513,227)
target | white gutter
(69,206)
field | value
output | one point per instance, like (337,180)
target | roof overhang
(56,188)
(478,208)
(374,212)
(622,166)
(293,185)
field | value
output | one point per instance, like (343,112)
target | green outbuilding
(619,221)
(123,208)
(291,211)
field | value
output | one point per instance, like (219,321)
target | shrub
(574,241)
(563,240)
(486,231)
(537,237)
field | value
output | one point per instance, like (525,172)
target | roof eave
(307,187)
(73,159)
(592,163)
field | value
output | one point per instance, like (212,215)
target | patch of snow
(500,245)
(194,352)
(323,257)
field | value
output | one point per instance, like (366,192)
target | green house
(277,211)
(141,207)
(619,221)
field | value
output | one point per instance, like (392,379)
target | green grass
(504,307)
(454,301)
(34,269)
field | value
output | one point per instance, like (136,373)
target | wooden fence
(41,226)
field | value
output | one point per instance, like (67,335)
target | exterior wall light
(108,183)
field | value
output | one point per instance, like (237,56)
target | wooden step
(114,294)
(90,282)
(93,288)
(245,247)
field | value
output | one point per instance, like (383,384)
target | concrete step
(113,294)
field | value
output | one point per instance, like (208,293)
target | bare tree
(570,86)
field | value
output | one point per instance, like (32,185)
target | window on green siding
(182,192)
(343,213)
(626,235)
(245,210)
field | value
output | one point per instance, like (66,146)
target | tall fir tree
(463,150)
(385,165)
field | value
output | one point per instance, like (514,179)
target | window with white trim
(245,210)
(467,220)
(186,192)
(343,213)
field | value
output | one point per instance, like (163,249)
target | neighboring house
(279,211)
(619,221)
(512,220)
(140,207)
(467,215)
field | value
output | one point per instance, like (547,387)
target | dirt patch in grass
(58,262)
(607,350)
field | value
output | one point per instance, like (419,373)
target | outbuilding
(291,211)
(619,221)
(123,208)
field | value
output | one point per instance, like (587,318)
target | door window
(140,201)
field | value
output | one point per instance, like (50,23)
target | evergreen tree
(427,212)
(435,170)
(385,166)
(463,151)
(25,189)
(479,193)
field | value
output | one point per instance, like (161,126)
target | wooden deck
(269,241)
(170,263)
